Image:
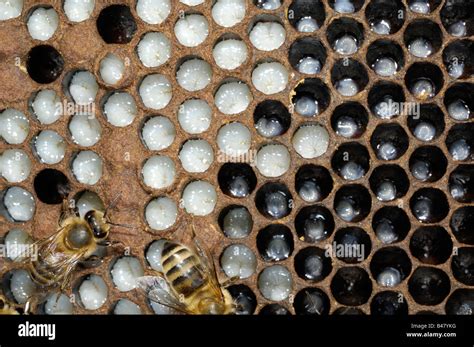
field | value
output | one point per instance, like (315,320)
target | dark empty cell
(311,301)
(429,205)
(351,245)
(389,303)
(352,203)
(275,242)
(428,125)
(424,80)
(351,161)
(456,17)
(244,298)
(389,141)
(428,164)
(385,16)
(312,264)
(274,200)
(313,183)
(423,6)
(385,99)
(459,101)
(460,302)
(235,221)
(349,77)
(389,182)
(237,180)
(351,286)
(306,15)
(463,265)
(346,6)
(271,118)
(461,224)
(310,97)
(348,311)
(431,245)
(314,223)
(349,120)
(51,186)
(307,55)
(116,24)
(461,183)
(385,57)
(390,266)
(429,285)
(44,64)
(460,142)
(390,224)
(345,35)
(458,58)
(275,309)
(423,38)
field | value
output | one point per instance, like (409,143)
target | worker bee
(7,309)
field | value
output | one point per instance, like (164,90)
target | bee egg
(125,272)
(267,36)
(381,27)
(153,11)
(270,78)
(85,130)
(21,286)
(16,242)
(233,98)
(87,167)
(192,2)
(273,160)
(268,4)
(309,65)
(111,69)
(15,126)
(83,88)
(155,91)
(195,116)
(161,213)
(459,110)
(307,25)
(230,54)
(199,198)
(78,10)
(386,233)
(196,156)
(352,171)
(50,147)
(423,89)
(237,223)
(347,87)
(158,172)
(307,106)
(93,292)
(88,201)
(275,283)
(125,306)
(238,261)
(387,151)
(228,13)
(420,48)
(311,141)
(389,277)
(347,45)
(194,75)
(153,254)
(385,67)
(458,29)
(460,149)
(344,6)
(57,304)
(386,191)
(191,30)
(158,133)
(420,6)
(120,109)
(42,23)
(45,106)
(234,139)
(15,165)
(425,131)
(154,49)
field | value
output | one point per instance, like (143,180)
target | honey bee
(7,309)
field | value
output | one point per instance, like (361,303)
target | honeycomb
(431,253)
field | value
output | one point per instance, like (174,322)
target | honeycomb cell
(313,183)
(237,180)
(310,97)
(116,24)
(389,182)
(461,183)
(92,291)
(390,224)
(431,245)
(235,221)
(267,34)
(385,17)
(352,203)
(459,101)
(389,303)
(389,141)
(462,265)
(423,6)
(312,264)
(275,242)
(423,38)
(351,245)
(458,59)
(44,64)
(125,271)
(307,55)
(244,298)
(311,301)
(349,120)
(51,186)
(424,80)
(429,205)
(306,16)
(274,201)
(390,266)
(460,302)
(17,204)
(384,99)
(428,164)
(314,224)
(461,224)
(429,285)
(275,283)
(349,77)
(351,286)
(428,124)
(456,18)
(345,35)
(271,118)
(460,142)
(56,304)
(351,161)
(238,261)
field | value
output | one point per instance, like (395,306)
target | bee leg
(92,261)
(229,281)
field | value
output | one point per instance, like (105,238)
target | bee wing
(159,291)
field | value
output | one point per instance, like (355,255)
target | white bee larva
(458,29)
(273,160)
(199,198)
(238,261)
(85,130)
(83,88)
(93,292)
(230,54)
(346,44)
(307,106)
(153,11)
(125,306)
(311,141)
(310,192)
(191,30)
(194,116)
(270,78)
(386,191)
(387,151)
(16,242)
(42,23)
(267,36)
(21,286)
(111,69)
(89,201)
(228,13)
(347,87)
(421,170)
(50,147)
(196,156)
(423,89)
(158,133)
(459,110)
(420,6)
(460,150)
(155,91)
(237,223)
(275,283)
(15,126)
(307,25)
(87,167)
(15,165)
(153,254)
(268,4)
(154,49)
(389,277)
(78,10)
(456,69)
(345,210)
(381,27)
(386,109)
(309,65)
(161,213)
(194,75)
(425,131)
(45,106)
(233,98)
(386,233)
(125,272)
(10,9)
(344,6)
(57,303)
(346,126)
(352,171)
(234,139)
(420,48)
(385,67)
(158,172)
(192,2)
(120,109)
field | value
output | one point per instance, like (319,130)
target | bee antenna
(126,226)
(112,204)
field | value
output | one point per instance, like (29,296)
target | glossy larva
(307,106)
(16,240)
(194,116)
(346,45)
(234,139)
(10,9)
(45,106)
(194,75)
(344,6)
(275,283)
(347,87)
(199,198)
(237,223)
(161,213)
(15,126)
(233,98)
(192,2)
(196,156)
(309,65)
(389,277)
(120,109)
(154,49)
(88,201)
(228,13)
(459,110)
(15,165)
(93,292)
(386,191)
(153,11)
(273,160)
(307,25)
(153,254)
(125,272)
(125,306)
(22,286)
(267,36)
(85,130)
(42,23)
(155,91)
(78,10)
(19,204)
(83,87)
(270,78)
(238,261)
(425,131)
(191,30)
(87,167)
(352,171)
(460,150)
(158,133)
(56,304)
(311,141)
(423,89)
(50,147)
(230,54)
(158,172)
(420,48)
(385,67)
(112,69)
(420,6)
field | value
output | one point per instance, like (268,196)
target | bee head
(98,224)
